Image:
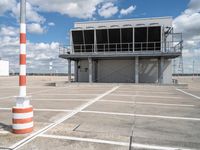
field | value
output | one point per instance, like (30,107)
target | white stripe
(52,125)
(22,115)
(52,110)
(22,126)
(197,97)
(22,91)
(146,103)
(145,96)
(4,132)
(70,94)
(22,48)
(22,28)
(141,115)
(135,145)
(23,70)
(42,99)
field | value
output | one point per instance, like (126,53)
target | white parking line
(136,95)
(141,115)
(187,93)
(43,99)
(52,125)
(99,141)
(145,103)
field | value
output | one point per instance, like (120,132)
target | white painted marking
(23,70)
(42,99)
(22,91)
(22,28)
(187,93)
(52,125)
(141,115)
(146,96)
(99,141)
(140,91)
(69,94)
(50,110)
(22,126)
(22,48)
(4,132)
(22,115)
(146,103)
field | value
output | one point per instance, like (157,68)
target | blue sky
(49,22)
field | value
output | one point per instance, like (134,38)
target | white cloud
(128,10)
(6,5)
(51,24)
(80,8)
(108,10)
(31,13)
(35,28)
(8,31)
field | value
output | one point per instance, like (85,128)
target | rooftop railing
(137,47)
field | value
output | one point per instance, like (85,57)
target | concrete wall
(123,71)
(4,68)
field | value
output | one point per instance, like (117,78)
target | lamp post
(23,112)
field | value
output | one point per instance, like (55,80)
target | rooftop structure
(130,50)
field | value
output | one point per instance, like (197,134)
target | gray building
(123,51)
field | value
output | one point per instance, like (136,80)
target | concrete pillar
(90,70)
(136,69)
(160,69)
(76,70)
(69,70)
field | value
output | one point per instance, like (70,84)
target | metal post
(23,112)
(90,70)
(136,69)
(160,70)
(69,70)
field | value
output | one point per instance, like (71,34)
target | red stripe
(22,110)
(22,38)
(22,80)
(22,131)
(22,121)
(22,59)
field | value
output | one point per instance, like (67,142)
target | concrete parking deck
(103,116)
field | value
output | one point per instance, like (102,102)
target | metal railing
(137,47)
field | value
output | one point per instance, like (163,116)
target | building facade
(123,51)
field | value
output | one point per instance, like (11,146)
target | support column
(136,69)
(69,70)
(90,70)
(22,121)
(76,70)
(160,69)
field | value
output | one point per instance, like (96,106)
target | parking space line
(145,103)
(52,125)
(187,93)
(43,109)
(136,95)
(141,115)
(43,99)
(99,141)
(69,94)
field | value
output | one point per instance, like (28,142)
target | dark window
(77,37)
(89,40)
(114,40)
(154,38)
(102,40)
(140,38)
(127,39)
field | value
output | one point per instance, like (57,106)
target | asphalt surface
(104,116)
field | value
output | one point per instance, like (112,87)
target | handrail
(164,47)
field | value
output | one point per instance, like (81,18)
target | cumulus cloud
(128,10)
(188,22)
(51,24)
(35,28)
(108,10)
(80,8)
(6,5)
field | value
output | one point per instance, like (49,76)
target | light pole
(23,111)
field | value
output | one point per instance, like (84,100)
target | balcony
(142,49)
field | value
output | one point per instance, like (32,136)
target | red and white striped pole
(23,112)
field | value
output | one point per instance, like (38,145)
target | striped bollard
(23,111)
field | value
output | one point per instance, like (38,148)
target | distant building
(123,51)
(4,68)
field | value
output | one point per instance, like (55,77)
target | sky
(49,22)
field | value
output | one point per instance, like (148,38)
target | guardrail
(165,47)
